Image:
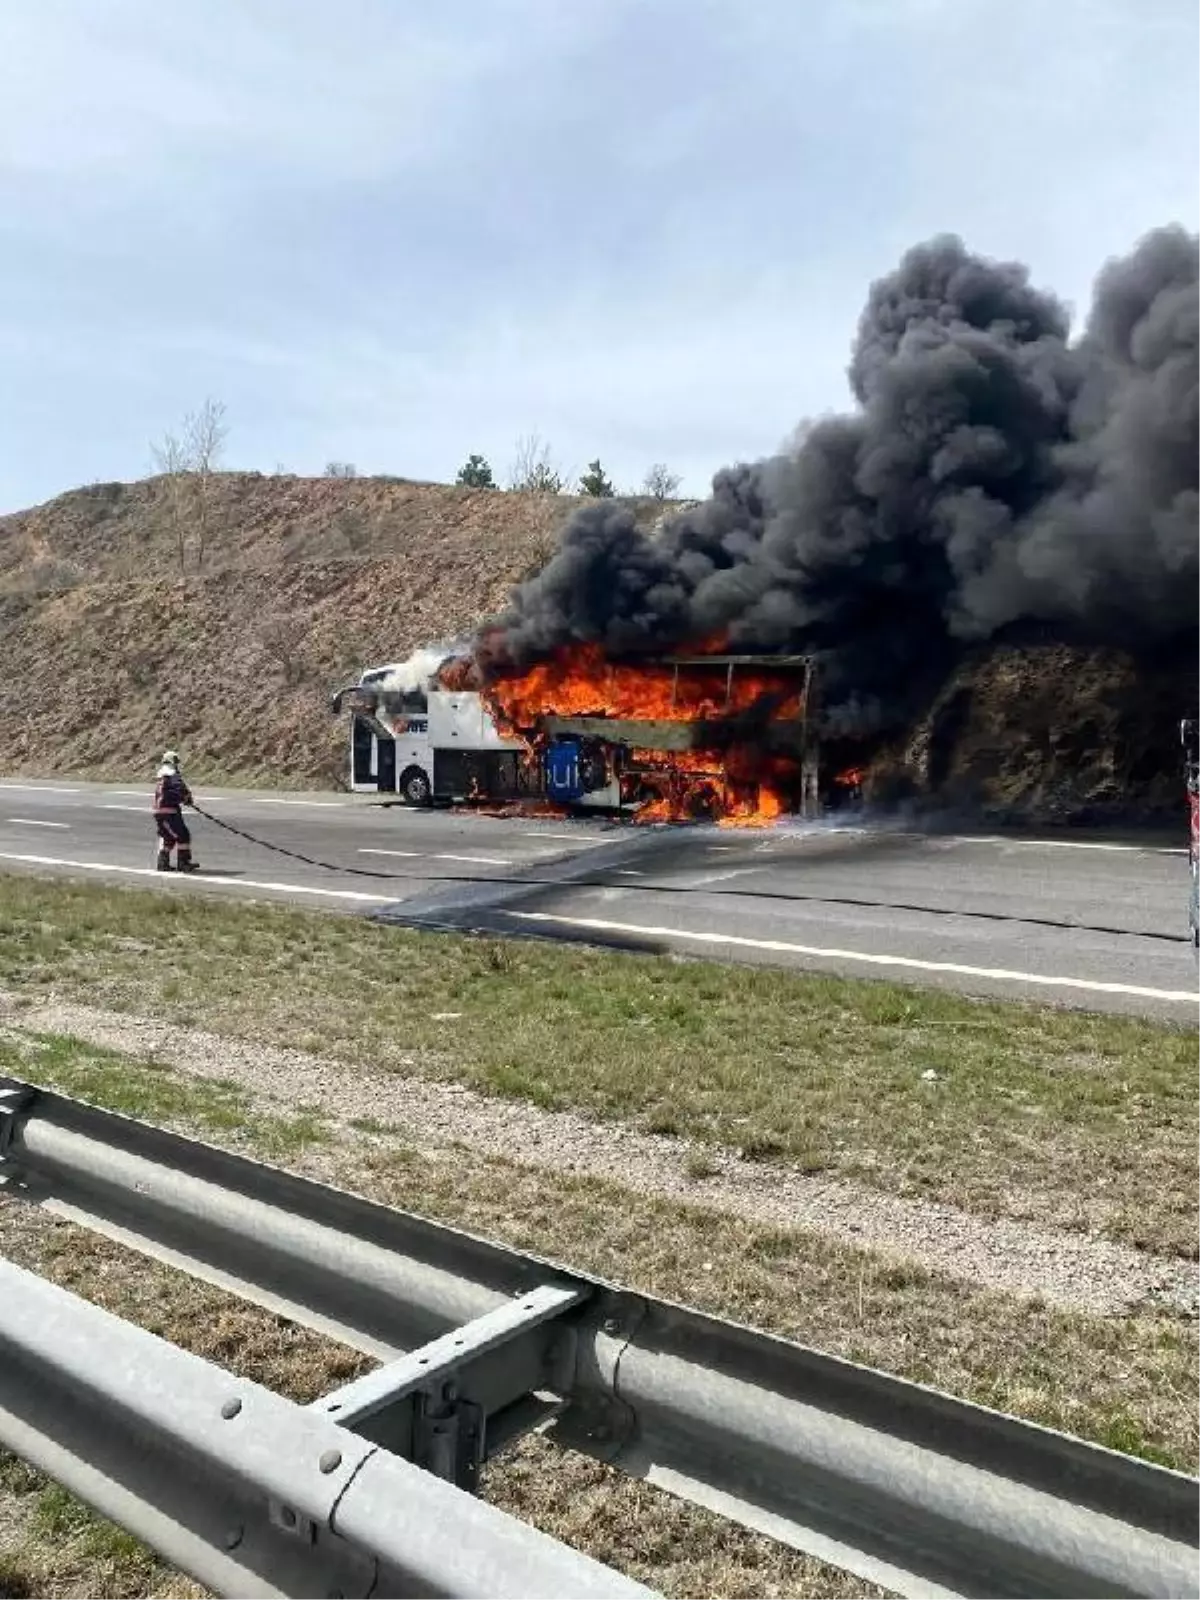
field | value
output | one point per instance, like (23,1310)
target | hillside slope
(114,642)
(110,652)
(1052,733)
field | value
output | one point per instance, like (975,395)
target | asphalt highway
(1080,921)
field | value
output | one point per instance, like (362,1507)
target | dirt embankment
(132,617)
(1052,734)
(119,634)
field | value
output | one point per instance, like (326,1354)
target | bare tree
(533,469)
(282,644)
(187,461)
(204,432)
(171,460)
(660,483)
(341,469)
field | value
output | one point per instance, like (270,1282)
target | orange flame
(583,682)
(738,784)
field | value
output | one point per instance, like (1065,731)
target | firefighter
(171,794)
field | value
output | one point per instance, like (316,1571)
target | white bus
(431,745)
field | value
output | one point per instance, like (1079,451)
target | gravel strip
(1070,1270)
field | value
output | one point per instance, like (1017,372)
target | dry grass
(1123,1381)
(1063,1118)
(1128,1383)
(62,1549)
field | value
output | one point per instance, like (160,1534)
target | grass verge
(1127,1383)
(1053,1115)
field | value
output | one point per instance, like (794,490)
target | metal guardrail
(248,1493)
(919,1491)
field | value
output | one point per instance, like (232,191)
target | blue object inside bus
(560,763)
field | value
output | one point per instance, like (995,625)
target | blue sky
(391,233)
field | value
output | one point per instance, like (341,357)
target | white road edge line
(113,805)
(365,851)
(37,822)
(166,878)
(781,946)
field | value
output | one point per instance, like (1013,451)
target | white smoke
(417,674)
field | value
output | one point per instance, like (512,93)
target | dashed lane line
(38,788)
(275,800)
(434,855)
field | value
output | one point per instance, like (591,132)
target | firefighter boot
(163,861)
(186,864)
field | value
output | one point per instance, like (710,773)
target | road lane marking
(274,800)
(434,855)
(165,878)
(477,861)
(573,838)
(112,805)
(38,788)
(37,822)
(784,947)
(1060,844)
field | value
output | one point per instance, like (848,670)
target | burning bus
(708,734)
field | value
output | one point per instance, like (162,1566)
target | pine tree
(594,482)
(475,474)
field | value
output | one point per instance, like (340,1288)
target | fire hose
(295,855)
(601,880)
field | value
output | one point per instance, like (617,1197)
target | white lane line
(1068,844)
(434,855)
(719,877)
(113,805)
(165,878)
(272,800)
(38,788)
(130,794)
(478,861)
(580,844)
(782,946)
(36,822)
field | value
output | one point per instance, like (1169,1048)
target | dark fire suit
(171,794)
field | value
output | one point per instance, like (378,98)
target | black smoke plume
(994,473)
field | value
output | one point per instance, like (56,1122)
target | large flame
(736,781)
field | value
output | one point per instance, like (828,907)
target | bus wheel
(415,787)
